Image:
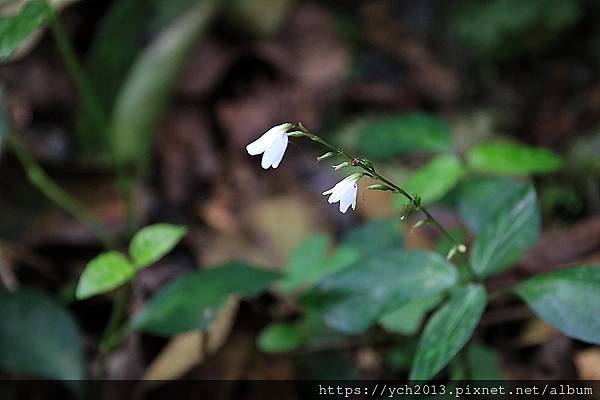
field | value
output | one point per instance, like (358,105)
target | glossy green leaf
(310,262)
(567,299)
(391,136)
(279,337)
(151,243)
(436,178)
(353,299)
(374,236)
(407,318)
(14,29)
(143,97)
(512,159)
(193,300)
(447,331)
(508,234)
(38,337)
(480,199)
(105,272)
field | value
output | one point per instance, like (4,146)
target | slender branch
(38,177)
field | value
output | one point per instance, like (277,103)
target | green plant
(397,288)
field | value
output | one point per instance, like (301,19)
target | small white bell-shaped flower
(345,192)
(272,144)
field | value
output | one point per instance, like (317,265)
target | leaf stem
(112,333)
(41,180)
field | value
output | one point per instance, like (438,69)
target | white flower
(345,192)
(273,144)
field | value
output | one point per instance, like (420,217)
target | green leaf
(117,38)
(38,337)
(390,136)
(436,178)
(144,95)
(512,159)
(484,363)
(407,318)
(447,331)
(105,272)
(310,262)
(353,299)
(512,230)
(14,29)
(480,199)
(151,243)
(567,299)
(373,237)
(192,301)
(279,337)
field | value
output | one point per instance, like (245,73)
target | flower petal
(274,152)
(261,144)
(258,146)
(348,197)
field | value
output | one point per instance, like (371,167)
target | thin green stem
(38,177)
(113,331)
(368,167)
(90,100)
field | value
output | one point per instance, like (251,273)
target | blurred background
(186,85)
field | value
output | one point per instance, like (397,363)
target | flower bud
(380,187)
(451,253)
(326,156)
(296,134)
(368,164)
(342,165)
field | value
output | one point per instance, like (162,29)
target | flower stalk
(367,166)
(273,143)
